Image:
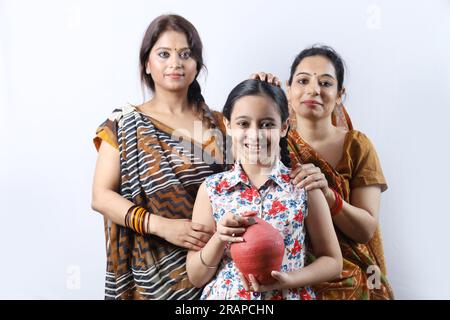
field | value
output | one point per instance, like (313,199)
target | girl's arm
(325,245)
(199,274)
(107,201)
(229,229)
(328,264)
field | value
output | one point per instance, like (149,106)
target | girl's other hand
(283,282)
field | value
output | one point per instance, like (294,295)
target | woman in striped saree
(148,172)
(343,163)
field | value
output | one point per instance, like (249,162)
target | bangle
(203,262)
(148,225)
(338,204)
(127,216)
(135,219)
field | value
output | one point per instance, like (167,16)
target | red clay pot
(260,253)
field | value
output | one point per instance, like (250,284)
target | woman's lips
(175,76)
(312,103)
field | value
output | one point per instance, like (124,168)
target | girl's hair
(176,23)
(261,88)
(324,51)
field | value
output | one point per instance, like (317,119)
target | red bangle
(338,203)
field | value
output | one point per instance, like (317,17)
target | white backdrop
(64,66)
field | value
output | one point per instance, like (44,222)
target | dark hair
(261,88)
(324,51)
(176,23)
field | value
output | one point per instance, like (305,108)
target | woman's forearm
(115,207)
(356,223)
(212,254)
(111,204)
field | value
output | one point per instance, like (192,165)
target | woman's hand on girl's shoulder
(310,177)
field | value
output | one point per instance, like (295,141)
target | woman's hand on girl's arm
(310,177)
(182,232)
(107,200)
(359,219)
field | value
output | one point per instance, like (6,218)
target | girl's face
(170,63)
(313,93)
(256,128)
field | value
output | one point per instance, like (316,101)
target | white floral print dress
(278,202)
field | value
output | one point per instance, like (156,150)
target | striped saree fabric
(162,173)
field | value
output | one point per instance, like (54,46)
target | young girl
(256,117)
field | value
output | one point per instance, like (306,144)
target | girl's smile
(255,123)
(252,147)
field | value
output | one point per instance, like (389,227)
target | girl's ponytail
(284,151)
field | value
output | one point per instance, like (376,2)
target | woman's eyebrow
(322,75)
(169,49)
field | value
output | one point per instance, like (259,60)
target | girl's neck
(315,130)
(170,103)
(258,173)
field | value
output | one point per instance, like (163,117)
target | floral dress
(279,203)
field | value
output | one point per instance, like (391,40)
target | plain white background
(65,65)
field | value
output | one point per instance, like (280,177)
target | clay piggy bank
(260,253)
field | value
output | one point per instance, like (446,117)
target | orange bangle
(141,221)
(148,224)
(138,220)
(135,219)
